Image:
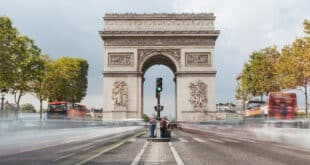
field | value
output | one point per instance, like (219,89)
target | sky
(70,28)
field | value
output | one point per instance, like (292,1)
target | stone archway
(163,57)
(183,42)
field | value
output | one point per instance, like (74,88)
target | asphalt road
(184,148)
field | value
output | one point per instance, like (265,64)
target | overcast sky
(70,28)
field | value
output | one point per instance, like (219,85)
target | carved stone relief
(120,95)
(198,95)
(154,25)
(198,59)
(159,41)
(174,53)
(120,59)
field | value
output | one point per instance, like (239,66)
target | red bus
(66,110)
(282,105)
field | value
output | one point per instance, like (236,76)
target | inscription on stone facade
(198,95)
(120,95)
(174,53)
(120,59)
(159,41)
(197,59)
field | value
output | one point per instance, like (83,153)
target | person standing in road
(152,126)
(163,126)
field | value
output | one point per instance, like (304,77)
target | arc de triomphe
(183,42)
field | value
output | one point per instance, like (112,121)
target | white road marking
(176,155)
(182,140)
(231,140)
(70,140)
(85,149)
(65,156)
(114,146)
(78,147)
(247,140)
(139,155)
(215,140)
(132,140)
(199,140)
(174,134)
(292,147)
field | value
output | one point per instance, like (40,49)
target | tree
(39,86)
(240,94)
(259,74)
(146,118)
(307,29)
(293,67)
(28,108)
(301,61)
(270,81)
(27,64)
(68,80)
(19,60)
(286,68)
(7,37)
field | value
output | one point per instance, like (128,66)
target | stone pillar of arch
(183,42)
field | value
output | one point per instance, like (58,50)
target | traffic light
(159,84)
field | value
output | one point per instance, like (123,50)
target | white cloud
(246,26)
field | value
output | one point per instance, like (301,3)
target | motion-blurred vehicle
(256,109)
(65,110)
(282,105)
(95,113)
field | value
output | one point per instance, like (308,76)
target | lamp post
(2,101)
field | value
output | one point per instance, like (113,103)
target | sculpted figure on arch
(198,96)
(120,95)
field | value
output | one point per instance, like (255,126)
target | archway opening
(159,66)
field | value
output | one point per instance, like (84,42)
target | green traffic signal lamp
(159,84)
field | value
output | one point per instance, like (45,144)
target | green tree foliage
(294,67)
(8,35)
(19,60)
(24,69)
(307,29)
(27,64)
(259,74)
(146,118)
(39,85)
(28,108)
(68,80)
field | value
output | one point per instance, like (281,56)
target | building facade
(183,42)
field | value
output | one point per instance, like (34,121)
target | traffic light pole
(158,105)
(158,116)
